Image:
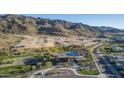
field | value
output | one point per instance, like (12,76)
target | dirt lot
(52,41)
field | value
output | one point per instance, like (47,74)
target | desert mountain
(19,24)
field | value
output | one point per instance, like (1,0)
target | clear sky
(113,20)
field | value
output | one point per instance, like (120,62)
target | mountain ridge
(20,24)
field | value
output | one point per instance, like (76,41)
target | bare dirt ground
(35,42)
(51,41)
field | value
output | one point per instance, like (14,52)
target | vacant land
(8,41)
(52,41)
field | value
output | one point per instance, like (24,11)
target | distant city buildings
(119,39)
(117,48)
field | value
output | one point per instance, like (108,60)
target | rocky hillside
(18,24)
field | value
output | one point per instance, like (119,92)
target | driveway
(63,73)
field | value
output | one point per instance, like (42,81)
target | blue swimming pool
(72,53)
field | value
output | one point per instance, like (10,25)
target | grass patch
(14,71)
(88,72)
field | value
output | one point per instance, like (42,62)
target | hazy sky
(113,20)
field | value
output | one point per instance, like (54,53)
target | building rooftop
(68,54)
(73,53)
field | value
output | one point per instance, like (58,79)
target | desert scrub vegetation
(8,41)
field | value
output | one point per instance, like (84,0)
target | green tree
(48,64)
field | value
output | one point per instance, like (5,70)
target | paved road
(68,73)
(95,55)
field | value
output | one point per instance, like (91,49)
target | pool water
(73,53)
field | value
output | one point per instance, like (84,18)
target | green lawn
(88,72)
(14,71)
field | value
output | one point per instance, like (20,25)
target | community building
(70,56)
